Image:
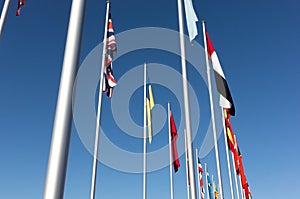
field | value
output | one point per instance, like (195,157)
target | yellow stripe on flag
(149,121)
(151,97)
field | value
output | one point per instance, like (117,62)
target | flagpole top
(203,21)
(108,2)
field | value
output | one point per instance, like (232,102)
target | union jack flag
(111,49)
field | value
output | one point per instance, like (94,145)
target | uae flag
(225,98)
(174,137)
(111,49)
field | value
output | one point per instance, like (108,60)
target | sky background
(257,44)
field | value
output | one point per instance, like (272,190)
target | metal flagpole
(207,191)
(3,15)
(97,134)
(187,166)
(235,178)
(212,114)
(186,103)
(170,152)
(198,174)
(227,155)
(58,156)
(145,137)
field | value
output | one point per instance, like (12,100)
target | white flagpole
(145,137)
(198,174)
(97,134)
(170,152)
(3,15)
(227,155)
(186,103)
(187,166)
(206,178)
(212,114)
(235,177)
(58,156)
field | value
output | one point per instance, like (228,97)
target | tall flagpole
(97,134)
(212,114)
(206,178)
(186,103)
(145,137)
(187,166)
(58,156)
(198,174)
(170,152)
(3,15)
(227,155)
(235,177)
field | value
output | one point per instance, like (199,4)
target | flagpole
(3,15)
(170,152)
(58,155)
(97,134)
(199,191)
(227,155)
(235,177)
(186,102)
(207,191)
(186,165)
(145,137)
(212,114)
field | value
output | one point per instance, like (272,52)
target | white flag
(191,19)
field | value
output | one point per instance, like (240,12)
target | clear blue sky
(257,43)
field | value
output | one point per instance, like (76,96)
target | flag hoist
(58,155)
(148,106)
(101,84)
(212,113)
(186,93)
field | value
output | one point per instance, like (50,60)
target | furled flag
(150,105)
(191,19)
(174,137)
(111,49)
(20,4)
(200,173)
(216,193)
(209,185)
(225,98)
(229,132)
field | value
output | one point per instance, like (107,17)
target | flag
(225,98)
(20,4)
(209,185)
(111,49)
(174,137)
(229,132)
(216,193)
(200,173)
(150,105)
(191,19)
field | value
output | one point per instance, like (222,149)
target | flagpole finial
(203,21)
(108,2)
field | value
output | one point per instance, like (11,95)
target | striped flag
(200,173)
(225,98)
(111,49)
(20,4)
(174,137)
(150,105)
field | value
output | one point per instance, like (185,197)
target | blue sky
(257,44)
